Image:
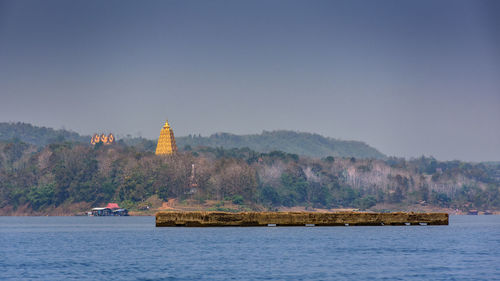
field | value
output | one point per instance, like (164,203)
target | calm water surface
(131,248)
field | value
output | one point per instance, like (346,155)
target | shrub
(238,199)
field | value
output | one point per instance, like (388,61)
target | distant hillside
(288,141)
(67,178)
(39,136)
(308,144)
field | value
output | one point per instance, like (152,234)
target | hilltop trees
(67,173)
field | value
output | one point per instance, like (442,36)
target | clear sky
(407,77)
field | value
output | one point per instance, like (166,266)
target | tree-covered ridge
(308,144)
(313,145)
(69,173)
(35,135)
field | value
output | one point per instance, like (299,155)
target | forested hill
(288,141)
(50,178)
(308,144)
(67,177)
(39,136)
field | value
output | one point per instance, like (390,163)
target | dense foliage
(68,172)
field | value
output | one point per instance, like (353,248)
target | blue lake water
(132,248)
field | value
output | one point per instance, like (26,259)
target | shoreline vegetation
(68,177)
(80,209)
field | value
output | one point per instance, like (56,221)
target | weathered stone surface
(297,218)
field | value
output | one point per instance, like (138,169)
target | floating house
(112,209)
(100,212)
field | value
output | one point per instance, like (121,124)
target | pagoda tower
(166,141)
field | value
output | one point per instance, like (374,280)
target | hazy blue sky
(407,77)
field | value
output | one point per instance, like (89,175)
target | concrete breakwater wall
(297,219)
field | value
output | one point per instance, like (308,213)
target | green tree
(41,196)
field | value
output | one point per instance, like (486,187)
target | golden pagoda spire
(166,142)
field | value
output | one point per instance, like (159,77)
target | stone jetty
(202,219)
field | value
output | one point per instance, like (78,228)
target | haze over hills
(39,136)
(288,141)
(307,144)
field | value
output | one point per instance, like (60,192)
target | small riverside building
(112,209)
(119,212)
(100,212)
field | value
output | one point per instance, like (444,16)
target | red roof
(112,206)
